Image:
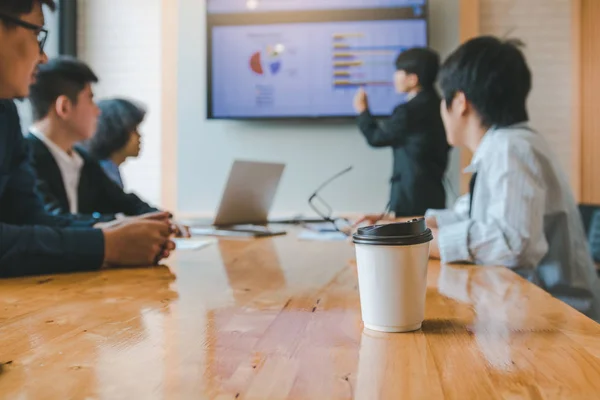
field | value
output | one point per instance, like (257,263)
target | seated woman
(117,137)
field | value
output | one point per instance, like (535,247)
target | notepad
(192,244)
(327,236)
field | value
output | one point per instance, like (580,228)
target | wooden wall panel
(590,101)
(576,170)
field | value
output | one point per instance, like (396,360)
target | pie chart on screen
(268,61)
(256,64)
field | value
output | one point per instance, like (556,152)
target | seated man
(520,213)
(31,240)
(64,113)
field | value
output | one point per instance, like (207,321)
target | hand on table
(431,223)
(180,230)
(177,229)
(137,242)
(373,219)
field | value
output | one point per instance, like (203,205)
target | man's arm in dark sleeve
(26,249)
(38,250)
(391,132)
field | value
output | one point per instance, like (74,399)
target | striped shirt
(523,215)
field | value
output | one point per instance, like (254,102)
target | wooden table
(280,319)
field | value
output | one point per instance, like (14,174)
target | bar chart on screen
(357,62)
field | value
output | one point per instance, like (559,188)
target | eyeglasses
(42,33)
(324,210)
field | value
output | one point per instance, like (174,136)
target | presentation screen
(306,58)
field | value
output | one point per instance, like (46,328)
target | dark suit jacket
(32,241)
(415,133)
(97,193)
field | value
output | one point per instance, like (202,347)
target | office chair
(581,299)
(590,215)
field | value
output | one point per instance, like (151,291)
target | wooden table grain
(280,319)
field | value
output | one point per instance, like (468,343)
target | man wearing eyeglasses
(31,241)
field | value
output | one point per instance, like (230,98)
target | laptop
(246,201)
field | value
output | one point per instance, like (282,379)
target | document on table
(192,243)
(327,236)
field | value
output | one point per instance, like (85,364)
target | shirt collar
(411,96)
(111,164)
(74,158)
(485,146)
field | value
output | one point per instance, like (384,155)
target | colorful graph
(268,60)
(358,62)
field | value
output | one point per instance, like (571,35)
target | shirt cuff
(453,241)
(443,217)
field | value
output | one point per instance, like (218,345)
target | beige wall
(546,28)
(126,54)
(550,31)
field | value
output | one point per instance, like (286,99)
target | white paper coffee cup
(392,275)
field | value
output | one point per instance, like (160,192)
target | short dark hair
(494,76)
(16,8)
(118,118)
(61,76)
(421,61)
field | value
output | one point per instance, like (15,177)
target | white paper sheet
(308,234)
(192,243)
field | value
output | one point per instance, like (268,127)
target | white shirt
(523,215)
(70,166)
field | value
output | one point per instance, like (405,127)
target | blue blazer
(33,242)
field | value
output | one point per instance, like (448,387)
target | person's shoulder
(31,138)
(86,156)
(412,104)
(431,94)
(8,106)
(427,102)
(515,137)
(517,143)
(89,162)
(426,96)
(38,148)
(10,115)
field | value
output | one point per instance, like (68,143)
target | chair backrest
(587,212)
(579,299)
(590,215)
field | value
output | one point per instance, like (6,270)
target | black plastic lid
(399,234)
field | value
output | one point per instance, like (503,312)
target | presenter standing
(415,133)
